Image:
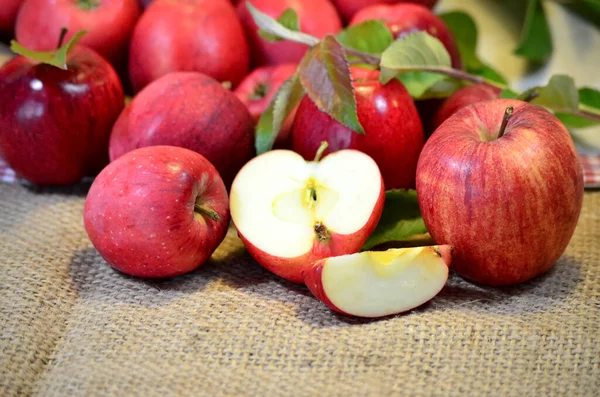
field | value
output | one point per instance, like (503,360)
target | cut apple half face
(290,212)
(380,283)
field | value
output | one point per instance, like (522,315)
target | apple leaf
(589,101)
(417,50)
(325,75)
(288,19)
(536,40)
(371,36)
(56,58)
(269,125)
(464,30)
(400,220)
(418,83)
(560,94)
(272,27)
(507,93)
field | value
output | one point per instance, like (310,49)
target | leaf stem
(61,38)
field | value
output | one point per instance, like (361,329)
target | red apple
(190,110)
(380,283)
(403,19)
(348,8)
(109,24)
(190,35)
(8,15)
(257,90)
(317,17)
(464,97)
(393,132)
(508,203)
(290,212)
(54,123)
(157,212)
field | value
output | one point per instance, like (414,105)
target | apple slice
(380,283)
(290,212)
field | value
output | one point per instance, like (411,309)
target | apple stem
(212,214)
(61,38)
(259,92)
(322,232)
(507,114)
(320,151)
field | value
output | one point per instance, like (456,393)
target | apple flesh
(406,18)
(380,283)
(109,25)
(55,124)
(393,131)
(157,212)
(464,97)
(316,17)
(290,212)
(508,203)
(189,110)
(193,35)
(348,8)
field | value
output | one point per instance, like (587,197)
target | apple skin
(269,78)
(509,206)
(190,110)
(109,26)
(8,15)
(403,19)
(55,124)
(139,212)
(313,276)
(317,18)
(190,35)
(393,131)
(348,8)
(464,97)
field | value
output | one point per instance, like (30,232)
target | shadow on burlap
(73,326)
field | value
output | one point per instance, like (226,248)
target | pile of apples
(499,183)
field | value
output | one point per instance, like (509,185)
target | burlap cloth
(71,326)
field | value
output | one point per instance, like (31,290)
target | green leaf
(288,19)
(409,53)
(272,27)
(56,58)
(589,101)
(507,93)
(400,220)
(325,76)
(464,31)
(574,121)
(418,83)
(371,36)
(536,40)
(270,122)
(560,94)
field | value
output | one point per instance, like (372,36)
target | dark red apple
(157,212)
(54,123)
(188,35)
(109,24)
(8,15)
(189,110)
(317,17)
(403,19)
(506,195)
(258,90)
(464,97)
(393,131)
(348,8)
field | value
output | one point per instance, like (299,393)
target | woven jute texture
(72,326)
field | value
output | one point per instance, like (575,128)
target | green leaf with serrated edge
(270,26)
(536,40)
(418,83)
(56,58)
(270,122)
(507,93)
(414,51)
(560,94)
(288,19)
(325,76)
(400,220)
(370,36)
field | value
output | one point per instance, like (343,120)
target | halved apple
(380,283)
(290,212)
